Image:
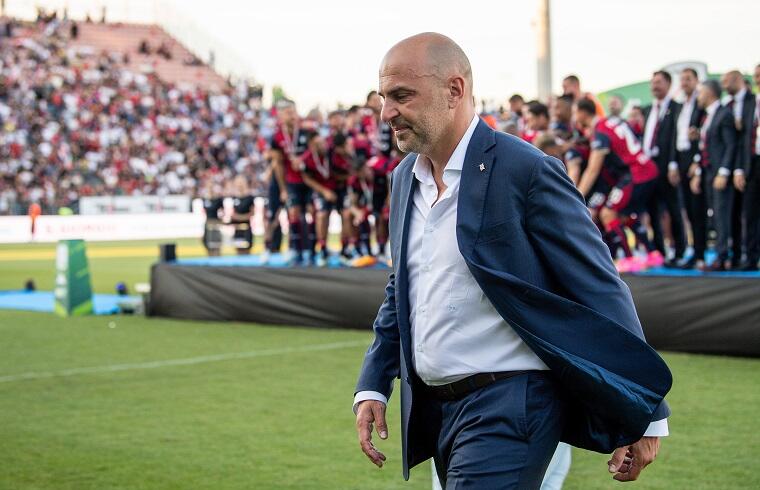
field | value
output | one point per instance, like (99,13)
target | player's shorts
(298,195)
(243,237)
(212,235)
(321,204)
(639,197)
(340,204)
(614,196)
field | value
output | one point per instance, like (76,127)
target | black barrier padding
(344,298)
(711,315)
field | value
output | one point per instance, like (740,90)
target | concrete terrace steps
(126,38)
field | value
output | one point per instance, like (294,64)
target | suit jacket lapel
(473,184)
(407,187)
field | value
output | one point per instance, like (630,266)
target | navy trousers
(501,436)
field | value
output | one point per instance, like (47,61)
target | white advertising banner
(134,204)
(17,229)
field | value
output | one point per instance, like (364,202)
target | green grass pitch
(185,405)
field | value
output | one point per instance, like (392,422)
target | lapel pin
(482,167)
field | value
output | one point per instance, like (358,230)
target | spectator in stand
(98,129)
(144,47)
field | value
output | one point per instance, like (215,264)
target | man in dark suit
(504,317)
(713,166)
(660,145)
(742,106)
(687,146)
(748,179)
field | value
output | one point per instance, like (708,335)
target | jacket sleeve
(382,360)
(744,152)
(677,108)
(696,122)
(560,228)
(729,136)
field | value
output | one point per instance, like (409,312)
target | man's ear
(456,91)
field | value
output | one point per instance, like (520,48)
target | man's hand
(740,182)
(367,413)
(696,184)
(720,182)
(627,462)
(674,177)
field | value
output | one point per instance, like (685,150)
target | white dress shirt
(455,330)
(738,106)
(659,108)
(683,143)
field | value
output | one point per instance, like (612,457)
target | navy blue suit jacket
(721,140)
(528,239)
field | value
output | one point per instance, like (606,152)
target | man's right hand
(367,413)
(696,185)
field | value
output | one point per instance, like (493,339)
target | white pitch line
(178,362)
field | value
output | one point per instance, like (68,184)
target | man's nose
(388,111)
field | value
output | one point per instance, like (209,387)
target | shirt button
(425,268)
(419,347)
(423,309)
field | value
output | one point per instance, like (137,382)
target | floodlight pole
(544,51)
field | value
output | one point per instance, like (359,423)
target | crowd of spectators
(78,123)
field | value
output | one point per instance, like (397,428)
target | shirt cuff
(658,428)
(673,166)
(724,172)
(372,395)
(739,171)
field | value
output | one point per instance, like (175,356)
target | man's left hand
(674,177)
(628,461)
